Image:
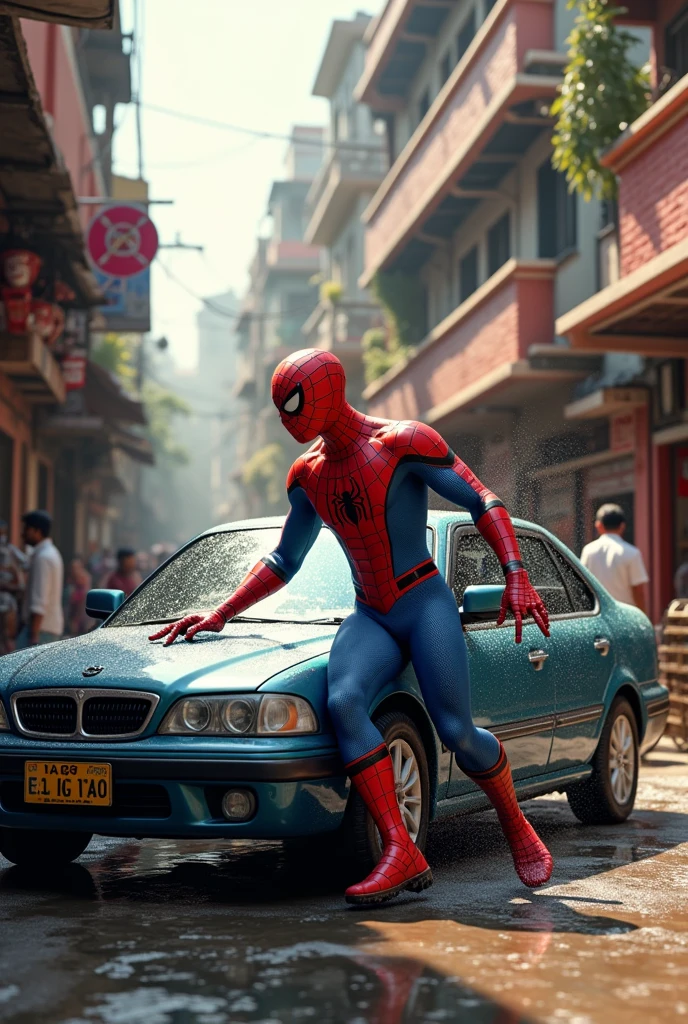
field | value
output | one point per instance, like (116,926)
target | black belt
(420,572)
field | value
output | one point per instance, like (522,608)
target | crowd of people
(40,601)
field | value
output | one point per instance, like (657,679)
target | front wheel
(412,776)
(608,795)
(32,848)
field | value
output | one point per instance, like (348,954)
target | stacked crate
(673,670)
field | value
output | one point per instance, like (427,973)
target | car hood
(242,657)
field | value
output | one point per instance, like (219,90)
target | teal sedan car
(228,737)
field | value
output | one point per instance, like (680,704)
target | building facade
(643,308)
(65,440)
(355,162)
(282,294)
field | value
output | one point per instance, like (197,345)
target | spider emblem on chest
(348,504)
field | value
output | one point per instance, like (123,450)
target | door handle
(602,645)
(537,659)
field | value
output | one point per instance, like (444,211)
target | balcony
(492,108)
(646,310)
(292,257)
(348,174)
(477,351)
(341,327)
(33,368)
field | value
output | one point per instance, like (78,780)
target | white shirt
(44,588)
(617,564)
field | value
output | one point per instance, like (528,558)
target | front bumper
(181,797)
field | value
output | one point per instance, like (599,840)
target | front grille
(113,716)
(55,715)
(129,800)
(86,713)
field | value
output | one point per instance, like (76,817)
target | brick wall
(496,333)
(653,201)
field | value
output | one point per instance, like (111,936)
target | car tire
(28,847)
(608,795)
(406,748)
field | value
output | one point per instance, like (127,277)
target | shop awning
(104,396)
(36,193)
(82,13)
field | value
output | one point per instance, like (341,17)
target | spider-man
(368,479)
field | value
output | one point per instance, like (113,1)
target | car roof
(435,518)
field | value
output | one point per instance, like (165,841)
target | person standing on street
(126,576)
(10,585)
(43,614)
(617,564)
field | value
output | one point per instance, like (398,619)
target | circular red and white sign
(122,240)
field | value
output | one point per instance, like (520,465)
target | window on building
(445,67)
(465,36)
(557,213)
(423,105)
(468,274)
(676,45)
(499,244)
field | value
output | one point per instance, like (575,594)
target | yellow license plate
(78,783)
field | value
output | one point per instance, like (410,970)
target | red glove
(189,626)
(521,597)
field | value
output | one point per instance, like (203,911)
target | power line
(209,304)
(257,133)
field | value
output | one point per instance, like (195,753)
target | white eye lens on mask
(292,403)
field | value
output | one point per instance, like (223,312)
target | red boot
(402,865)
(532,859)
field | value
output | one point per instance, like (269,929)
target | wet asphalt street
(163,932)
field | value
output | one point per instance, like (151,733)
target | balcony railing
(339,328)
(487,114)
(473,348)
(30,363)
(348,172)
(292,255)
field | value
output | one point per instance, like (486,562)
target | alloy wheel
(622,760)
(408,785)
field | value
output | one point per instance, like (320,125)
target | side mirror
(100,604)
(482,603)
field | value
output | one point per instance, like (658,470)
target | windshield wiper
(331,620)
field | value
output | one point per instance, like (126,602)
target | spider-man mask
(308,390)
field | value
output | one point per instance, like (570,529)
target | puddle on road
(177,933)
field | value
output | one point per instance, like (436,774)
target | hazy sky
(249,62)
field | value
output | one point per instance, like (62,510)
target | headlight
(4,724)
(245,715)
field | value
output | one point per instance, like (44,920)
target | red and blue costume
(367,479)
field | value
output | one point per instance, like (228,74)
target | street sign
(128,302)
(122,240)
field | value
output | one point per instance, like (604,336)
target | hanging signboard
(122,240)
(84,13)
(128,302)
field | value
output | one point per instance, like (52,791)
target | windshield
(203,575)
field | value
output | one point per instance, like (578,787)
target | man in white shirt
(617,564)
(43,615)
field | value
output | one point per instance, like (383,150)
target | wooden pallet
(673,669)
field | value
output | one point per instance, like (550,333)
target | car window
(203,575)
(580,593)
(475,564)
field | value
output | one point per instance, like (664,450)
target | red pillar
(661,573)
(643,487)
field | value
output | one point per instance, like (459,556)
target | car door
(512,686)
(584,664)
